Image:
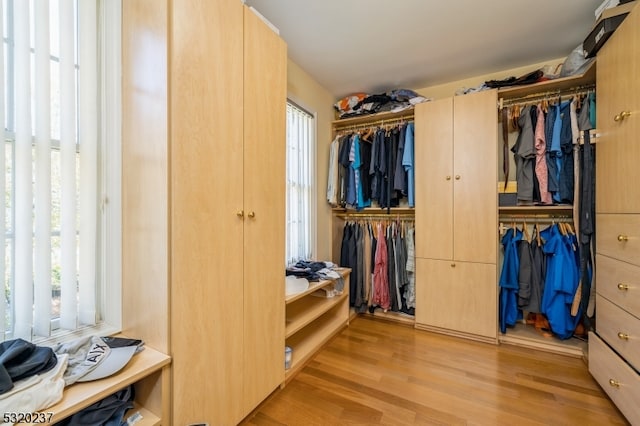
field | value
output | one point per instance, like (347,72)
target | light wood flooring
(377,372)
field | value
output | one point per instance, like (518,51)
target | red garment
(380,273)
(541,160)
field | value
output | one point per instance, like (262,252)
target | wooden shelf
(537,210)
(305,311)
(313,286)
(306,342)
(369,211)
(147,418)
(81,395)
(363,119)
(559,84)
(526,336)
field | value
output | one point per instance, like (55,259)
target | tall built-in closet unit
(614,350)
(204,179)
(523,334)
(456,247)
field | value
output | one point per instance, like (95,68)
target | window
(300,148)
(58,170)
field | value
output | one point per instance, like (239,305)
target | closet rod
(578,90)
(376,123)
(391,216)
(535,219)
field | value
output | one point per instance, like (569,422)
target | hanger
(525,231)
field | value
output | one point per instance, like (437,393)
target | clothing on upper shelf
(381,258)
(547,148)
(375,165)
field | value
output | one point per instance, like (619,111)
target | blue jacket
(509,281)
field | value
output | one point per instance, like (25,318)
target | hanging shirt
(400,174)
(525,155)
(333,178)
(408,162)
(541,170)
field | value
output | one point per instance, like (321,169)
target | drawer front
(619,282)
(620,330)
(619,236)
(618,380)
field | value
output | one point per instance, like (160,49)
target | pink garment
(541,160)
(380,273)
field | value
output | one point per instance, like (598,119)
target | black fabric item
(566,145)
(109,410)
(20,359)
(529,78)
(120,342)
(505,146)
(525,273)
(537,198)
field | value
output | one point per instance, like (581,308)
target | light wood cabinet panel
(620,329)
(619,236)
(618,380)
(457,296)
(206,236)
(619,282)
(265,93)
(475,175)
(434,179)
(618,149)
(456,175)
(618,219)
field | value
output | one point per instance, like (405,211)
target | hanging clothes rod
(535,97)
(370,124)
(519,219)
(390,216)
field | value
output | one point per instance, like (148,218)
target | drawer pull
(622,238)
(453,265)
(448,178)
(623,287)
(622,116)
(614,383)
(623,336)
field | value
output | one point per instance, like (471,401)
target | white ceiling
(377,45)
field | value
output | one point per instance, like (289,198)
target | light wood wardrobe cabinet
(614,350)
(213,76)
(456,215)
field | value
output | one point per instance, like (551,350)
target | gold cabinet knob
(252,214)
(622,115)
(623,336)
(614,383)
(453,265)
(240,213)
(623,287)
(622,238)
(457,177)
(448,177)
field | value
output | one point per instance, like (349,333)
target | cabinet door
(475,177)
(265,96)
(434,180)
(206,192)
(457,296)
(618,149)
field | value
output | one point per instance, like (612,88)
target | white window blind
(300,148)
(49,108)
